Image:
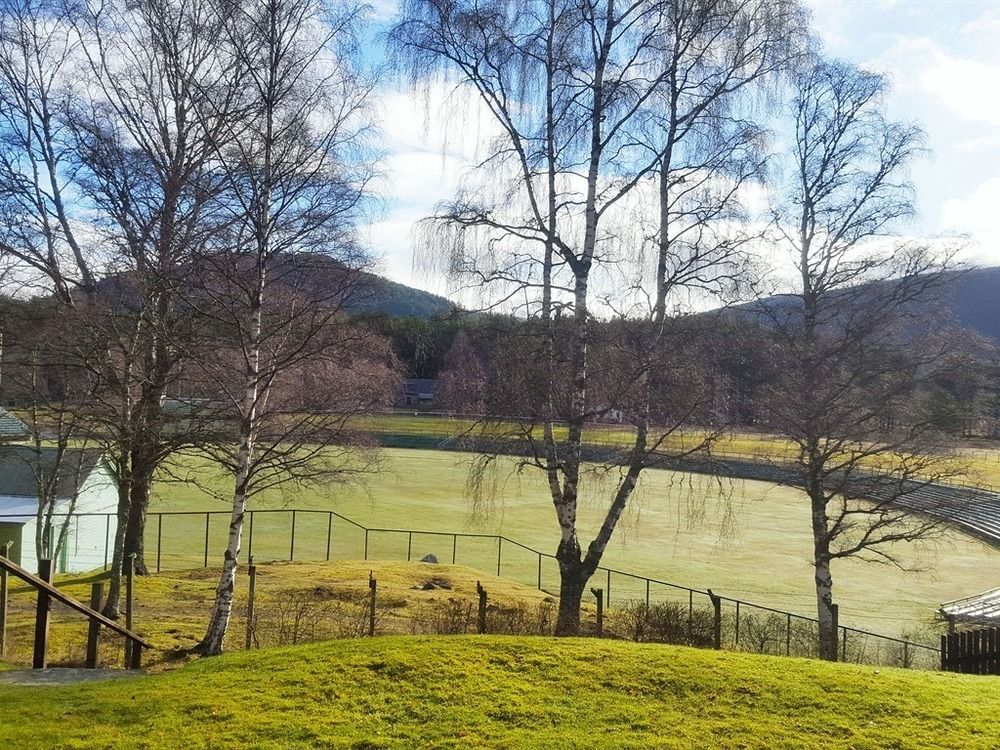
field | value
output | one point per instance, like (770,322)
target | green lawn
(172,608)
(746,540)
(496,692)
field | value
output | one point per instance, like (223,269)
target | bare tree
(37,46)
(44,377)
(591,103)
(853,352)
(275,282)
(142,138)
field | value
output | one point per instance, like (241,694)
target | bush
(662,622)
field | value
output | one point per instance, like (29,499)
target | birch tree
(37,49)
(855,353)
(296,172)
(580,97)
(142,138)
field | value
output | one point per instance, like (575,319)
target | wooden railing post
(42,583)
(599,595)
(129,582)
(481,622)
(252,576)
(372,594)
(94,627)
(717,625)
(43,608)
(4,585)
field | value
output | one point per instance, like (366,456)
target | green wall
(11,532)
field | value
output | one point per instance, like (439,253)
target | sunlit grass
(747,540)
(496,692)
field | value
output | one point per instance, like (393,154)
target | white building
(83,483)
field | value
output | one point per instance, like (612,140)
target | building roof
(22,465)
(421,386)
(11,428)
(982,608)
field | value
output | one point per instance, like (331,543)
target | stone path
(61,676)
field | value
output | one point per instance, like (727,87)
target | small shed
(418,392)
(80,475)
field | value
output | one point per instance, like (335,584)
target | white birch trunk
(222,611)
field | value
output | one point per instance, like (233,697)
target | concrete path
(61,676)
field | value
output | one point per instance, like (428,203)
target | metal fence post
(208,520)
(329,534)
(366,544)
(291,548)
(690,614)
(539,571)
(409,546)
(499,553)
(454,548)
(159,539)
(737,622)
(835,612)
(788,636)
(250,540)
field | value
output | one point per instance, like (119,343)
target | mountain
(969,299)
(384,297)
(322,278)
(974,300)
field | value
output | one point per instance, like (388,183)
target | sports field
(746,540)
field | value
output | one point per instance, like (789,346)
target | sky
(942,57)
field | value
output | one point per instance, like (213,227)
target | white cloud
(976,214)
(965,86)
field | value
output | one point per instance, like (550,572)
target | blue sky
(943,57)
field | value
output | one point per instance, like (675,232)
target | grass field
(976,462)
(172,608)
(746,540)
(506,692)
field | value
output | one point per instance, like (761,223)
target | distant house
(11,428)
(418,393)
(89,537)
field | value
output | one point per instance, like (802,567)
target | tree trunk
(135,531)
(215,636)
(823,579)
(111,605)
(572,582)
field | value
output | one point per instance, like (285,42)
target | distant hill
(971,299)
(370,294)
(384,297)
(974,300)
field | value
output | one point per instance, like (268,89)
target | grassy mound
(486,692)
(296,603)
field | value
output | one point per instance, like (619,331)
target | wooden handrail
(69,601)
